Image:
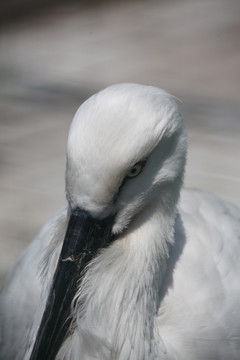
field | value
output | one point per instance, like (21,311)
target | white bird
(145,272)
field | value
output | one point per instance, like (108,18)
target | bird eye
(136,169)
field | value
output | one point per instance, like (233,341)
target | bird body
(167,286)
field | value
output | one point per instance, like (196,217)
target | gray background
(53,59)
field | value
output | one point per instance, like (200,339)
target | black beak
(84,237)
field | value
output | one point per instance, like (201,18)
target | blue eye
(136,169)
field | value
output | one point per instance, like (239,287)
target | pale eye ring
(136,169)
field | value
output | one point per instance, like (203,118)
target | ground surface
(49,64)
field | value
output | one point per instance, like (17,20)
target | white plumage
(168,287)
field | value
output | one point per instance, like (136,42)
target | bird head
(126,148)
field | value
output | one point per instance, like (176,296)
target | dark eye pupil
(136,169)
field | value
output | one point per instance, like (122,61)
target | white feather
(168,287)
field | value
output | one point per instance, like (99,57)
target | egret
(134,267)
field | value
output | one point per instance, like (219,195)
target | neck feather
(119,296)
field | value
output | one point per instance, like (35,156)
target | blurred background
(55,54)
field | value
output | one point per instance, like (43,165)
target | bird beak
(85,236)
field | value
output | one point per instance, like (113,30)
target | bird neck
(118,300)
